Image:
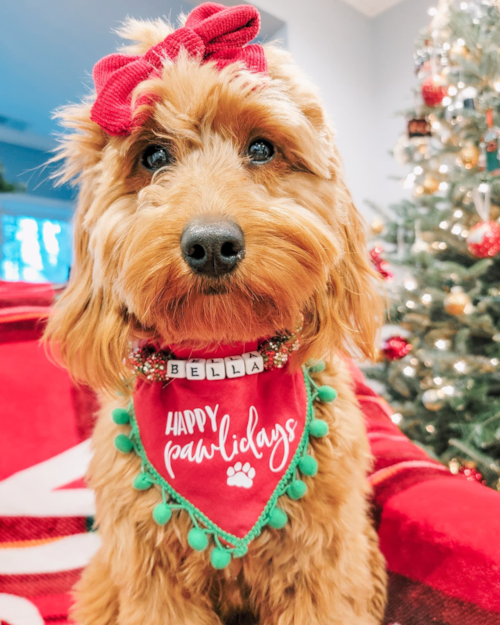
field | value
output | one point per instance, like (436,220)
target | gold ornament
(460,50)
(469,155)
(377,226)
(432,400)
(430,184)
(456,303)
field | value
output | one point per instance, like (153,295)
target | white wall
(394,33)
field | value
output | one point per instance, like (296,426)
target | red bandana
(224,451)
(212,32)
(223,445)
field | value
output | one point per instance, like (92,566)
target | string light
(410,284)
(426,298)
(443,169)
(446,101)
(448,390)
(496,85)
(440,344)
(458,213)
(396,418)
(460,366)
(438,381)
(430,428)
(418,170)
(410,304)
(457,229)
(444,225)
(432,11)
(452,90)
(464,6)
(409,372)
(460,42)
(443,186)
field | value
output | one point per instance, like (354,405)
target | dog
(212,211)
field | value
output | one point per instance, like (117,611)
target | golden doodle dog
(215,235)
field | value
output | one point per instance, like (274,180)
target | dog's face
(222,218)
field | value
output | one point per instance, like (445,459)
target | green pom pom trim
(142,482)
(308,466)
(162,513)
(297,489)
(317,367)
(278,519)
(123,443)
(197,539)
(220,558)
(120,416)
(318,428)
(327,394)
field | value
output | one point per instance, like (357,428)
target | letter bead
(195,369)
(215,369)
(176,368)
(254,363)
(235,366)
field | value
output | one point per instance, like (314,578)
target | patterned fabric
(438,532)
(212,32)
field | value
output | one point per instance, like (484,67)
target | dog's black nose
(212,247)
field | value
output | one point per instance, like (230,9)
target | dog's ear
(86,330)
(349,315)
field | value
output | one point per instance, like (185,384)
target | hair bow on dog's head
(212,32)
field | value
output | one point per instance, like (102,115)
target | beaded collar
(162,365)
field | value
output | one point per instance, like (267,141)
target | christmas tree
(441,370)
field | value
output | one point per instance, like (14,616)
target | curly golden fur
(305,255)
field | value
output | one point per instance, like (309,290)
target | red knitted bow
(212,32)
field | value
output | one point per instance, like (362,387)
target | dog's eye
(260,151)
(155,157)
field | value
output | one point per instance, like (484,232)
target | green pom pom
(120,416)
(278,519)
(308,465)
(240,551)
(197,539)
(297,489)
(317,367)
(142,481)
(162,513)
(327,394)
(123,443)
(220,558)
(318,428)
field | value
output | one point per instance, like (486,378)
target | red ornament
(433,92)
(484,239)
(380,264)
(469,471)
(396,347)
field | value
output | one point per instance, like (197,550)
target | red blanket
(438,532)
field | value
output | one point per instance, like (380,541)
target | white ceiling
(372,7)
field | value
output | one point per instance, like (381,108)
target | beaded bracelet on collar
(161,365)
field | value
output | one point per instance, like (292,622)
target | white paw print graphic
(241,475)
